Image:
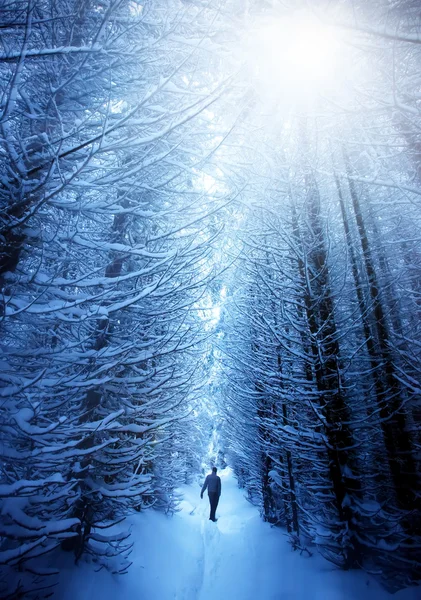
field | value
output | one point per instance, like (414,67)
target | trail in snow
(187,557)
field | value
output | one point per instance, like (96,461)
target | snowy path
(187,557)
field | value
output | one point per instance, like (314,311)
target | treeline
(322,323)
(105,247)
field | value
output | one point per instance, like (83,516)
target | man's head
(214,470)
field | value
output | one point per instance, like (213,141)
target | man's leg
(210,495)
(216,501)
(213,499)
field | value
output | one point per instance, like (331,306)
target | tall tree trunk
(319,309)
(392,411)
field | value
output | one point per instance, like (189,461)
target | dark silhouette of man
(213,483)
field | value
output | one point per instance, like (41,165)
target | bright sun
(291,56)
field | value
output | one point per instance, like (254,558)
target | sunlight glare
(290,55)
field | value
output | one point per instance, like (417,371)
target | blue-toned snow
(187,557)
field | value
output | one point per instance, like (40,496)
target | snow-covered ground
(187,557)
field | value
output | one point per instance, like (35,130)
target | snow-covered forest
(210,237)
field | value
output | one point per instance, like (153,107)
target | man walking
(213,483)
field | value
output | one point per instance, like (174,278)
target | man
(213,483)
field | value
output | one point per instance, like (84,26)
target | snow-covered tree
(106,255)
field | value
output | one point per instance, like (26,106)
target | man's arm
(205,485)
(219,486)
